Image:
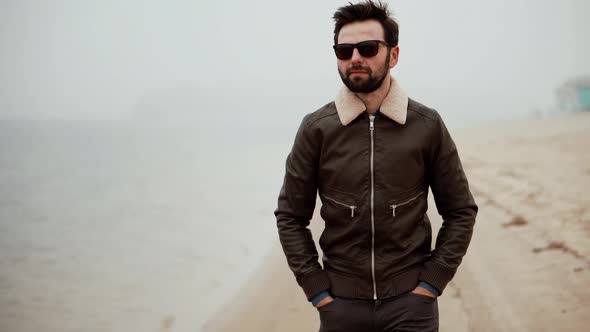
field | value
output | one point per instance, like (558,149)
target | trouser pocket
(426,298)
(421,313)
(345,315)
(329,304)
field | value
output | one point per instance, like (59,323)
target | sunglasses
(367,49)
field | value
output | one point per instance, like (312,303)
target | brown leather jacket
(373,177)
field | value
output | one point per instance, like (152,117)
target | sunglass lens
(344,52)
(368,49)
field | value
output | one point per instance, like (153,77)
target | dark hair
(367,10)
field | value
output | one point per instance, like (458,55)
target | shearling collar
(394,106)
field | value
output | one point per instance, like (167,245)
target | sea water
(126,226)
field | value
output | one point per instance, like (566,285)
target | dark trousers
(405,312)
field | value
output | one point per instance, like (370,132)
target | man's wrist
(320,297)
(430,288)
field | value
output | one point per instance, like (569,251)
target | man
(373,154)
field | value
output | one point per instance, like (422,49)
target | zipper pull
(352,207)
(393,209)
(371,123)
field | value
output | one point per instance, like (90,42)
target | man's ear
(393,56)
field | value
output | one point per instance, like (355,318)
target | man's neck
(374,99)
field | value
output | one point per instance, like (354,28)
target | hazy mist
(251,60)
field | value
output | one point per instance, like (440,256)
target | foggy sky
(118,59)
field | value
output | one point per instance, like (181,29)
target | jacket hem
(354,287)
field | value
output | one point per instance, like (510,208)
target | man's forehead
(358,31)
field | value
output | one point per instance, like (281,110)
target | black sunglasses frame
(364,52)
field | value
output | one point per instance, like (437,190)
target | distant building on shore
(574,95)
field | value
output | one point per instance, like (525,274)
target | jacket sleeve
(454,203)
(296,203)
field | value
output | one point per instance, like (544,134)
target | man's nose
(356,56)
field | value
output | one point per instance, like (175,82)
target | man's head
(361,69)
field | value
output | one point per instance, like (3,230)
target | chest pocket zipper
(351,207)
(408,201)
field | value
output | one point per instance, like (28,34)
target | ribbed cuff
(314,283)
(436,275)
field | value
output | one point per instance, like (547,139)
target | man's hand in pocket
(325,300)
(422,291)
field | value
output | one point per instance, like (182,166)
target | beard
(360,84)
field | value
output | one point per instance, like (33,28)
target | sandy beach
(528,265)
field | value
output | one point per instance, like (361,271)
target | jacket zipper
(351,207)
(394,206)
(372,129)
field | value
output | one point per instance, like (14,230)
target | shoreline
(271,299)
